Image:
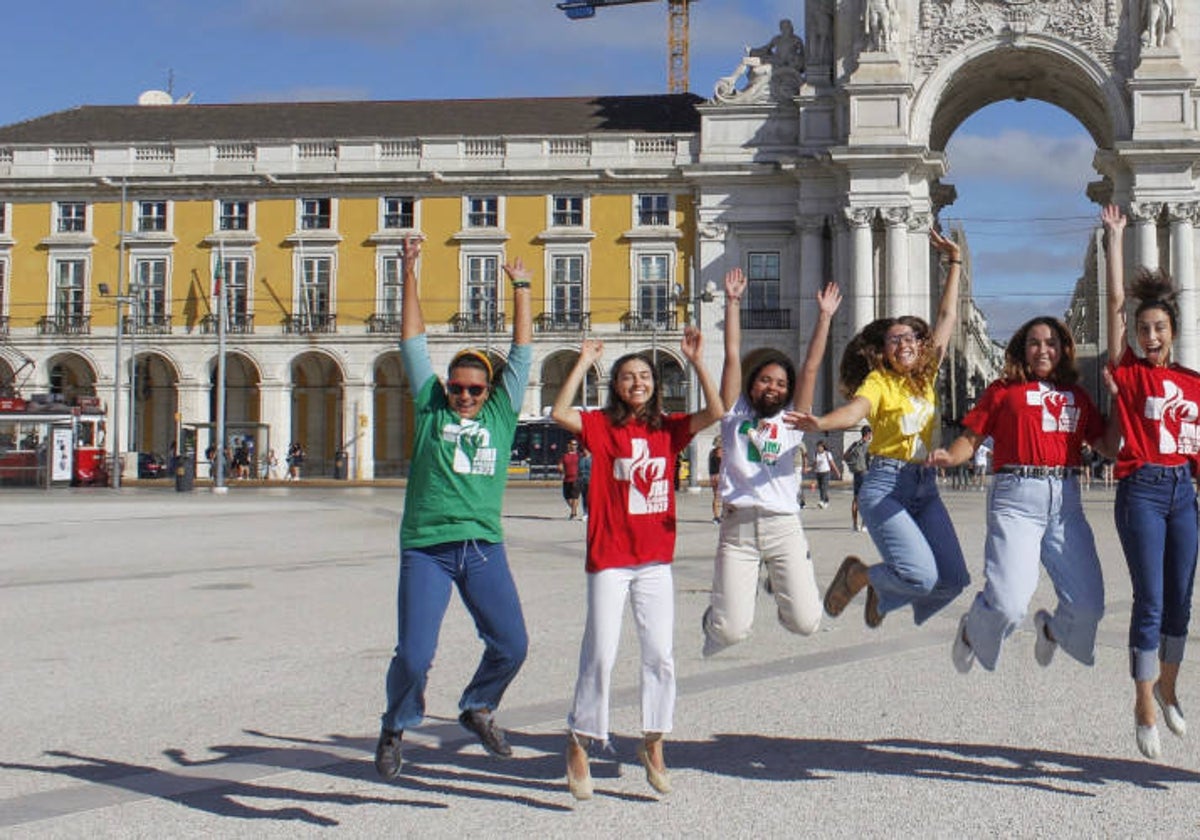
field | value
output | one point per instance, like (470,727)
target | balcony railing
(385,322)
(310,324)
(65,325)
(766,319)
(147,325)
(238,323)
(563,322)
(650,322)
(476,322)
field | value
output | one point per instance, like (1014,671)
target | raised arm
(947,316)
(564,413)
(412,323)
(713,407)
(1114,264)
(962,448)
(522,301)
(731,373)
(842,417)
(828,301)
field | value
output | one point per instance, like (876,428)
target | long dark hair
(1016,369)
(865,353)
(617,412)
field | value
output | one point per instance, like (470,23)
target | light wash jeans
(923,563)
(748,536)
(1156,521)
(480,571)
(1032,519)
(651,591)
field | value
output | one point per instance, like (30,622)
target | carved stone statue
(820,32)
(879,24)
(772,71)
(1158,18)
(784,50)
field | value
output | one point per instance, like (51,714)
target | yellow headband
(475,354)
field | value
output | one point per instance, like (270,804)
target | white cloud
(1023,156)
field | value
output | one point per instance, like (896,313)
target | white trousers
(651,591)
(748,536)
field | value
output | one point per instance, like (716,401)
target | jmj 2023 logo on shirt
(473,451)
(1178,433)
(648,482)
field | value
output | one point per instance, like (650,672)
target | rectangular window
(482,273)
(237,288)
(235,215)
(654,209)
(150,300)
(390,288)
(72,217)
(315,290)
(151,216)
(69,285)
(316,214)
(3,217)
(762,288)
(654,288)
(566,284)
(484,211)
(568,211)
(398,212)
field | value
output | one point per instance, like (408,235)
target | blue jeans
(1156,521)
(480,571)
(1032,519)
(923,563)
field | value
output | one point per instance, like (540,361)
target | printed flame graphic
(1054,403)
(645,472)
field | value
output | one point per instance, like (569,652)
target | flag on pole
(218,275)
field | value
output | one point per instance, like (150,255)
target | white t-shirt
(758,468)
(824,462)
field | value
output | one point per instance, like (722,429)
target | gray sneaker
(388,758)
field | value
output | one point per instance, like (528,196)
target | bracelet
(953,262)
(520,284)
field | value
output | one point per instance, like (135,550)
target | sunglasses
(457,388)
(902,338)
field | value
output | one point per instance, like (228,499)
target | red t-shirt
(570,466)
(1035,424)
(1159,409)
(632,502)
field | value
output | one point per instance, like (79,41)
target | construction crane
(677,33)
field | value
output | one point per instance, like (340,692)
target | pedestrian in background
(824,468)
(568,468)
(857,458)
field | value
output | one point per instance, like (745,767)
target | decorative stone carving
(819,29)
(773,71)
(1145,211)
(881,24)
(896,216)
(920,222)
(1184,211)
(1157,21)
(713,230)
(949,25)
(860,216)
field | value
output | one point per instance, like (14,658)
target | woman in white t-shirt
(824,467)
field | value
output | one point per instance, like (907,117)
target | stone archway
(317,399)
(393,417)
(71,376)
(155,388)
(555,369)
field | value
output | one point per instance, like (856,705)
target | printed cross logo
(649,486)
(1178,433)
(473,451)
(1059,412)
(913,422)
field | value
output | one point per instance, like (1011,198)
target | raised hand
(690,345)
(410,249)
(801,420)
(947,246)
(516,270)
(1113,219)
(829,298)
(735,284)
(591,350)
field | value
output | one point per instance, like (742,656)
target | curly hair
(618,411)
(772,357)
(865,353)
(1155,289)
(1016,369)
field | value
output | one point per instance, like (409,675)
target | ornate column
(861,266)
(812,270)
(1183,268)
(712,238)
(899,289)
(1144,216)
(357,438)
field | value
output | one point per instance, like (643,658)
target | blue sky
(1025,164)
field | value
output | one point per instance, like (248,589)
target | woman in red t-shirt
(630,545)
(1158,405)
(1039,419)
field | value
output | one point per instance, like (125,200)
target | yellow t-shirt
(901,421)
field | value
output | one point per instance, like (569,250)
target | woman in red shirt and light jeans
(630,545)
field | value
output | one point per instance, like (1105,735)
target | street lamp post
(119,300)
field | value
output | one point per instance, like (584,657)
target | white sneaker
(961,653)
(1043,646)
(822,505)
(1147,741)
(1172,714)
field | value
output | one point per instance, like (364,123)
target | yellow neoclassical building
(130,210)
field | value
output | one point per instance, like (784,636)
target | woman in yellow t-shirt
(888,371)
